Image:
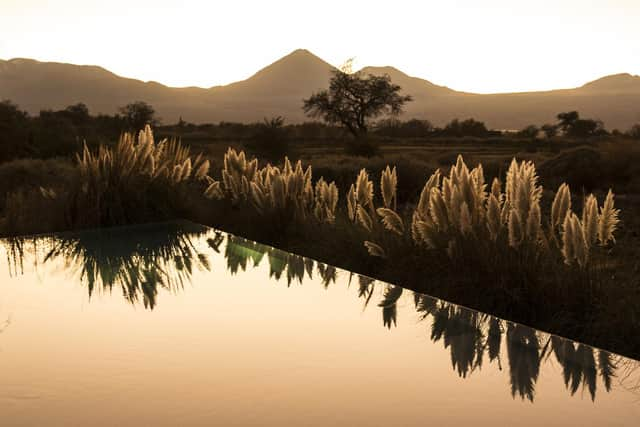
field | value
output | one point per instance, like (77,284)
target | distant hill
(279,89)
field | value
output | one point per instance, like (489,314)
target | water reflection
(165,257)
(139,263)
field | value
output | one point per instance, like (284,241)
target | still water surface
(178,324)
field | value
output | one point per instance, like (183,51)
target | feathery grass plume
(479,192)
(568,249)
(427,234)
(391,220)
(186,170)
(364,189)
(258,198)
(364,218)
(465,220)
(579,241)
(608,220)
(590,219)
(388,186)
(561,205)
(202,171)
(214,191)
(494,225)
(374,249)
(438,210)
(352,203)
(176,175)
(237,174)
(534,224)
(422,209)
(515,229)
(455,207)
(496,190)
(325,201)
(522,189)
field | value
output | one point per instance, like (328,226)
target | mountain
(616,83)
(279,89)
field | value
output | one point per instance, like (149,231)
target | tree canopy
(353,99)
(138,114)
(572,125)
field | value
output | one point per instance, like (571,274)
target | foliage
(468,127)
(353,100)
(573,126)
(139,114)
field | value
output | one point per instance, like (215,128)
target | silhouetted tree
(572,125)
(78,114)
(53,134)
(567,120)
(13,131)
(353,99)
(138,114)
(468,127)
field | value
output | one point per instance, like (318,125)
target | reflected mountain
(165,256)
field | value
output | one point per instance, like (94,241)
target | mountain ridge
(278,89)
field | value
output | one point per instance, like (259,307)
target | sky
(472,45)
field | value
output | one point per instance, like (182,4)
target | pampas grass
(456,214)
(284,194)
(137,180)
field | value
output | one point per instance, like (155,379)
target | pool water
(179,324)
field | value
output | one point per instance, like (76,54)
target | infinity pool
(178,324)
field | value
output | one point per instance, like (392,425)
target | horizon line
(316,56)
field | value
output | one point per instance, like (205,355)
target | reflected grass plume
(139,264)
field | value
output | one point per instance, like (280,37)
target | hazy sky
(471,45)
